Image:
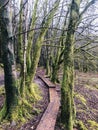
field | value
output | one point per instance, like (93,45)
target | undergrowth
(93,125)
(81,98)
(25,111)
(80,125)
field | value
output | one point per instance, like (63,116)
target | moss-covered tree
(67,89)
(38,45)
(19,91)
(10,107)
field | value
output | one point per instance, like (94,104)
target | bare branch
(87,6)
(4,4)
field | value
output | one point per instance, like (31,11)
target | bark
(47,67)
(67,102)
(10,77)
(25,43)
(38,45)
(30,37)
(54,76)
(47,56)
(36,56)
(56,59)
(20,37)
(0,50)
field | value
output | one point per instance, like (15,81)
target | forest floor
(86,100)
(38,108)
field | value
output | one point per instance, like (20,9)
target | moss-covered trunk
(67,103)
(38,45)
(11,90)
(67,89)
(54,76)
(55,66)
(47,67)
(34,64)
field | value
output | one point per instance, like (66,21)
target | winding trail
(49,117)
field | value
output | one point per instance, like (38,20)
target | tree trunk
(10,77)
(47,67)
(38,45)
(67,101)
(36,56)
(54,75)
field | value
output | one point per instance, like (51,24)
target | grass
(81,98)
(80,125)
(93,125)
(91,87)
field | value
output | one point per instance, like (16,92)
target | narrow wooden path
(49,117)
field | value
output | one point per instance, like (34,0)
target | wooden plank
(47,82)
(49,118)
(52,94)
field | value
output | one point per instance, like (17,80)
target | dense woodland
(60,36)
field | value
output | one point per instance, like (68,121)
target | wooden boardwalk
(49,117)
(47,82)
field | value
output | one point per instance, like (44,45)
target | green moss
(26,103)
(47,68)
(95,87)
(81,111)
(67,108)
(80,125)
(93,82)
(4,124)
(35,91)
(3,112)
(36,111)
(93,124)
(81,98)
(23,111)
(2,90)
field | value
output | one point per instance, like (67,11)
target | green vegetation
(93,87)
(26,109)
(93,124)
(35,91)
(80,125)
(58,36)
(21,93)
(2,90)
(81,98)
